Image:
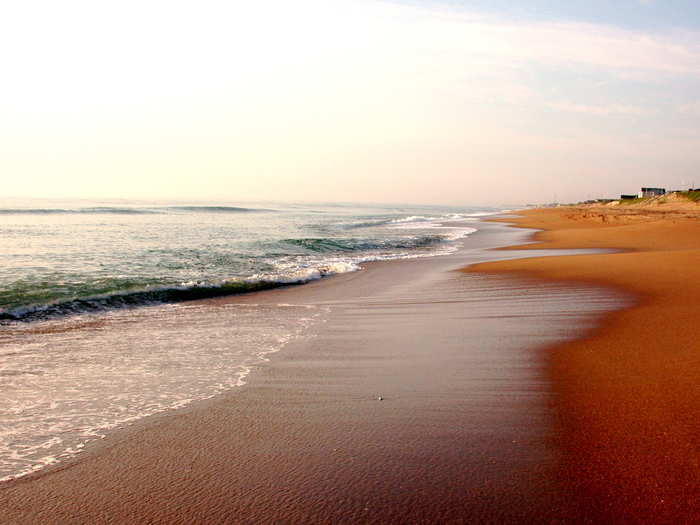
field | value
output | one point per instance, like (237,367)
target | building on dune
(651,192)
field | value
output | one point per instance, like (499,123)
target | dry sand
(628,397)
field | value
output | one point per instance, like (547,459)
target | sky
(458,102)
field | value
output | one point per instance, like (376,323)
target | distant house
(627,197)
(651,192)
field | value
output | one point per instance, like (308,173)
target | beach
(461,434)
(521,390)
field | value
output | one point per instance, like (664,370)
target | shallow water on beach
(68,382)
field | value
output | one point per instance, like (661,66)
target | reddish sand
(628,397)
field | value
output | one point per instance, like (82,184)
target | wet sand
(627,397)
(463,433)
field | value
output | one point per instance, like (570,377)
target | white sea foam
(446,222)
(412,218)
(66,383)
(292,270)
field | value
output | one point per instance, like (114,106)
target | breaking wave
(135,298)
(327,245)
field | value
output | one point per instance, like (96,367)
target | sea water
(70,257)
(96,325)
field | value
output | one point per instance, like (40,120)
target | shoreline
(626,396)
(461,433)
(318,292)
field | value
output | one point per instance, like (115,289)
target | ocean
(97,324)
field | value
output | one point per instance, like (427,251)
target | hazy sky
(452,102)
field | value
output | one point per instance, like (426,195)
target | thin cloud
(602,110)
(569,43)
